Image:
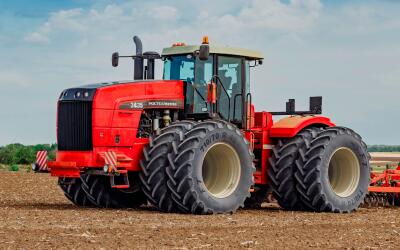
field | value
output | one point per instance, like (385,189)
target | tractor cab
(217,79)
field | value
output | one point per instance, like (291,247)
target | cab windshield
(196,73)
(179,68)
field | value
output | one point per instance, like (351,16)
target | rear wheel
(99,191)
(334,174)
(154,164)
(282,169)
(211,171)
(73,191)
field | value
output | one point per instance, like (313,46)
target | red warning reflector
(41,160)
(110,159)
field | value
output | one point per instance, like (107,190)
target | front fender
(289,126)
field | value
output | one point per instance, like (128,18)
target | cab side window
(202,76)
(230,73)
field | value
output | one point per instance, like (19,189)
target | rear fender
(290,126)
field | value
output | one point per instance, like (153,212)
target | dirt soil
(35,214)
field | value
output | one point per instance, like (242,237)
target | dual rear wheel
(320,170)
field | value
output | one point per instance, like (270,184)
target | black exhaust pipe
(138,67)
(140,71)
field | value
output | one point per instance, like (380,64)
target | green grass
(381,168)
(13,168)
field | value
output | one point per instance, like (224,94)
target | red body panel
(94,159)
(261,144)
(110,97)
(290,126)
(109,121)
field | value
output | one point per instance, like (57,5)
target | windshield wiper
(198,92)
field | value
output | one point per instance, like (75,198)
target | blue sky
(346,51)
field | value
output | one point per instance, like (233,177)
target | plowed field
(35,214)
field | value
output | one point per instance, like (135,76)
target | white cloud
(295,16)
(70,20)
(298,15)
(64,20)
(365,18)
(13,78)
(348,54)
(163,13)
(37,37)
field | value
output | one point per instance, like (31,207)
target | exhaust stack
(138,67)
(140,71)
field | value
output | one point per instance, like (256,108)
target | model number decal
(177,104)
(211,139)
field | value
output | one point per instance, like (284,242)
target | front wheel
(99,191)
(154,164)
(72,188)
(211,171)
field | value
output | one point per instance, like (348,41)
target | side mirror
(204,52)
(115,59)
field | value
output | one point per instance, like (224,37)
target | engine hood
(128,94)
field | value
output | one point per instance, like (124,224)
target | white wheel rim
(344,172)
(221,170)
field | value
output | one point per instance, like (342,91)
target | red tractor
(193,142)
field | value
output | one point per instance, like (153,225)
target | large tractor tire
(99,191)
(72,189)
(155,162)
(334,174)
(211,171)
(257,197)
(282,168)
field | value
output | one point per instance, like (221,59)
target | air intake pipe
(150,56)
(138,67)
(140,72)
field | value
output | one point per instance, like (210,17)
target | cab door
(231,94)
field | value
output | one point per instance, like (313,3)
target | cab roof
(188,49)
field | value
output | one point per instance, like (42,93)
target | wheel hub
(344,172)
(221,170)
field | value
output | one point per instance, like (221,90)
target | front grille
(75,125)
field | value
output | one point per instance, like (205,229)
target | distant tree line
(383,148)
(20,154)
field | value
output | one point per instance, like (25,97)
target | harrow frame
(387,182)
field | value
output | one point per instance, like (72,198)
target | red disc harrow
(384,187)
